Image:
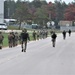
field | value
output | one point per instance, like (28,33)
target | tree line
(39,12)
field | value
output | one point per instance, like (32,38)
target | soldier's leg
(9,44)
(25,46)
(22,46)
(0,46)
(54,44)
(16,42)
(1,43)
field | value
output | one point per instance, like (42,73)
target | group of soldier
(54,36)
(12,39)
(42,34)
(15,38)
(64,33)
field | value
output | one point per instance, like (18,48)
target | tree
(60,7)
(22,13)
(36,4)
(70,13)
(51,11)
(41,15)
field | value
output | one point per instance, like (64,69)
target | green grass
(13,27)
(5,41)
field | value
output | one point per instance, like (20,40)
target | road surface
(41,58)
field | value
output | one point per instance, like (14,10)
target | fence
(66,28)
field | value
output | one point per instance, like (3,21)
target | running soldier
(1,40)
(24,38)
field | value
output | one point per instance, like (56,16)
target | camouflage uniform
(38,35)
(1,40)
(34,35)
(10,40)
(16,38)
(13,39)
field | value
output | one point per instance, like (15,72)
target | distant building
(66,25)
(1,11)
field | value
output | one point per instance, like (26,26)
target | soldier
(13,39)
(34,35)
(46,32)
(16,38)
(38,35)
(10,40)
(1,40)
(20,40)
(69,32)
(24,38)
(64,34)
(53,36)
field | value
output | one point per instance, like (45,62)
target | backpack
(10,36)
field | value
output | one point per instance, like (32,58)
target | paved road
(41,58)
